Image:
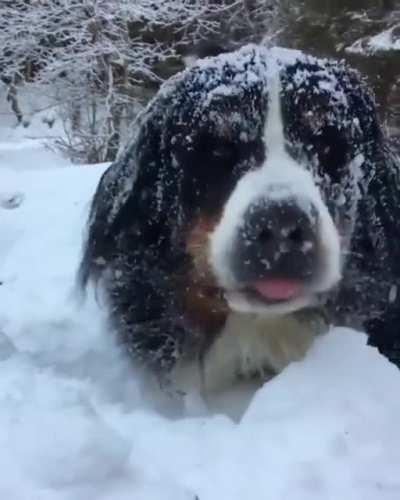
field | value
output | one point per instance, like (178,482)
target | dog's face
(262,156)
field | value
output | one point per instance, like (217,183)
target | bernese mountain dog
(256,204)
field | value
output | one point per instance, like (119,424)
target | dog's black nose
(277,239)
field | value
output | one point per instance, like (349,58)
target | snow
(75,425)
(387,40)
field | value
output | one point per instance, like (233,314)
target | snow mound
(386,41)
(74,424)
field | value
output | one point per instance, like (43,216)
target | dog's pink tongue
(275,289)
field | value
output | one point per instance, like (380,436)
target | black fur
(194,141)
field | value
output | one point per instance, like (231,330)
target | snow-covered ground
(385,41)
(74,424)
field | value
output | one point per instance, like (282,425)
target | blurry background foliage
(96,63)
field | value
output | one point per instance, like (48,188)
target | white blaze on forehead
(273,134)
(279,178)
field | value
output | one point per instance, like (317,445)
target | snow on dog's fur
(255,204)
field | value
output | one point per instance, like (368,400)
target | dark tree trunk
(12,98)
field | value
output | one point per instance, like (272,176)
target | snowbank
(386,41)
(73,422)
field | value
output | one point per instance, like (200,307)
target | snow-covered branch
(107,57)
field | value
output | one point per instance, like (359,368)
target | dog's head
(254,163)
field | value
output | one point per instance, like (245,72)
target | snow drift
(74,424)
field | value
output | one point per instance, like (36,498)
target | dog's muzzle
(276,248)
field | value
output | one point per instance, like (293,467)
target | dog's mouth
(273,294)
(273,291)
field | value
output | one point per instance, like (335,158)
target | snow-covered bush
(364,32)
(103,59)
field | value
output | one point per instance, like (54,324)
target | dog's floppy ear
(384,206)
(129,240)
(122,201)
(371,283)
(379,186)
(111,194)
(369,294)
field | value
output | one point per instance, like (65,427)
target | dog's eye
(217,150)
(222,151)
(331,147)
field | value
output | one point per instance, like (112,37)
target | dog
(256,204)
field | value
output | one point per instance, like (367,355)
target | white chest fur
(252,346)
